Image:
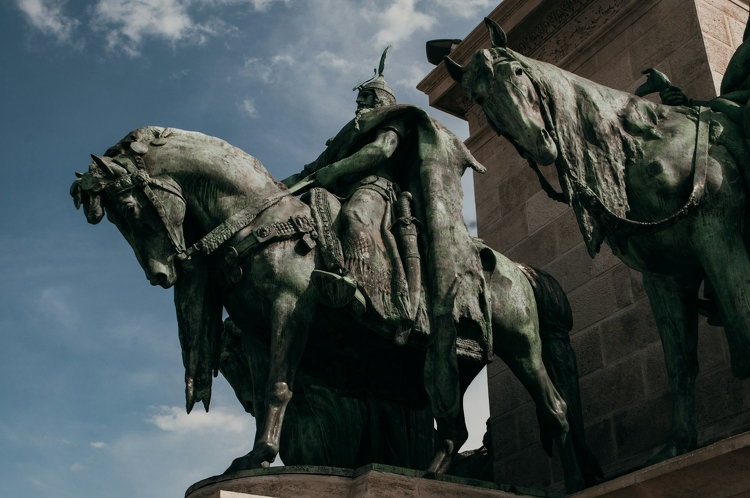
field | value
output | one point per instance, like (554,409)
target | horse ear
(497,35)
(107,165)
(455,69)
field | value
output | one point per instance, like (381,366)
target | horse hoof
(242,463)
(443,458)
(671,450)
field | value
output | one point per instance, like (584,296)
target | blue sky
(93,394)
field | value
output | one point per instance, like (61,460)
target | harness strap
(179,247)
(232,225)
(273,232)
(623,227)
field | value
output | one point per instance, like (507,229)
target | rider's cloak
(456,290)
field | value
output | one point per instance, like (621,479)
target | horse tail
(555,323)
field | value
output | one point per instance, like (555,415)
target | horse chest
(660,181)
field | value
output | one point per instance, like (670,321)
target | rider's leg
(674,303)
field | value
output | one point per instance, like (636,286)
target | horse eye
(479,100)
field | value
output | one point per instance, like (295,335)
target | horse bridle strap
(623,227)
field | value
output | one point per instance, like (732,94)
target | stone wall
(624,387)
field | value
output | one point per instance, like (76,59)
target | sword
(412,262)
(303,185)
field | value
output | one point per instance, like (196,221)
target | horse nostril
(479,100)
(159,279)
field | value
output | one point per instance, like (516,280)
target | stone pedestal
(720,470)
(370,481)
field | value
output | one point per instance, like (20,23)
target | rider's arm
(368,157)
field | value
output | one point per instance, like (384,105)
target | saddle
(339,287)
(334,283)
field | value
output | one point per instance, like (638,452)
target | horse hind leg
(559,357)
(517,341)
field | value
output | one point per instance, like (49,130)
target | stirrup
(337,291)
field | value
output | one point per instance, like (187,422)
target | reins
(138,177)
(617,225)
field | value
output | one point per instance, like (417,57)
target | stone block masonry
(624,387)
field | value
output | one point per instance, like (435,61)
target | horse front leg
(727,265)
(674,301)
(290,323)
(452,432)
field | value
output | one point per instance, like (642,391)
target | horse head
(501,83)
(147,211)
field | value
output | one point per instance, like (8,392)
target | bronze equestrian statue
(665,186)
(386,298)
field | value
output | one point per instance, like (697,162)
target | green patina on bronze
(664,186)
(393,327)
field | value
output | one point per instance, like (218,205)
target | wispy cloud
(466,8)
(247,107)
(47,17)
(127,23)
(77,467)
(174,419)
(399,21)
(98,444)
(54,303)
(264,5)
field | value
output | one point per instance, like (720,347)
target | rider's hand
(673,95)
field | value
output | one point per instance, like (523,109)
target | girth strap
(621,227)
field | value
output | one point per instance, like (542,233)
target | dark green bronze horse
(665,187)
(184,200)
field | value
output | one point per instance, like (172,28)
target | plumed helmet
(382,90)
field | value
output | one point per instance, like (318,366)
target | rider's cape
(455,286)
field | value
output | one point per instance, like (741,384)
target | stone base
(381,481)
(721,470)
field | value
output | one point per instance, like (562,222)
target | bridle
(137,178)
(620,226)
(548,126)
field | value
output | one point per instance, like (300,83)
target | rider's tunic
(429,163)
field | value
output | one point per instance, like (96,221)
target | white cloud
(77,467)
(466,8)
(247,106)
(128,22)
(98,444)
(174,419)
(399,21)
(47,17)
(54,303)
(264,5)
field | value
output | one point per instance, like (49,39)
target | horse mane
(200,162)
(598,131)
